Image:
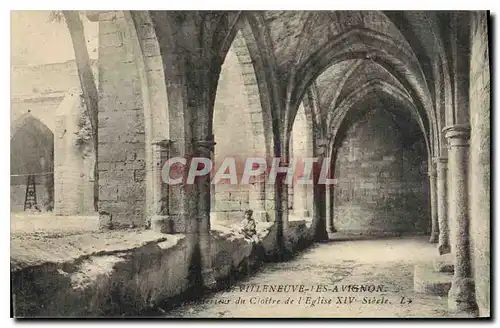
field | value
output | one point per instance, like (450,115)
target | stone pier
(461,296)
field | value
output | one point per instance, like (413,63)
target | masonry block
(444,263)
(381,188)
(426,280)
(108,192)
(114,39)
(270,204)
(121,127)
(228,205)
(73,168)
(131,192)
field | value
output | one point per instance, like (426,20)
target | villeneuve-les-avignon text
(232,170)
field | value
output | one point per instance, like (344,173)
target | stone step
(427,280)
(444,263)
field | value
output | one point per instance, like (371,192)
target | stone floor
(382,263)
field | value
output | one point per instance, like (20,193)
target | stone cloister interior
(397,104)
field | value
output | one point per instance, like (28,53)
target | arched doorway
(32,153)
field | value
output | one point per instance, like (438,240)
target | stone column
(319,193)
(320,233)
(461,296)
(282,193)
(330,223)
(160,220)
(442,204)
(281,212)
(433,193)
(204,148)
(300,200)
(328,212)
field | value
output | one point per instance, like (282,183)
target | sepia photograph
(250,164)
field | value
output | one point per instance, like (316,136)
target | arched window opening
(239,133)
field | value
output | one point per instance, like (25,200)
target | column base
(444,249)
(444,263)
(434,238)
(320,232)
(321,236)
(332,229)
(461,297)
(105,221)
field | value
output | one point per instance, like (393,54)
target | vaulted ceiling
(296,35)
(335,55)
(339,53)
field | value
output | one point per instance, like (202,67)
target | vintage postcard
(250,164)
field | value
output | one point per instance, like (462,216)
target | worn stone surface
(462,293)
(121,278)
(121,160)
(125,272)
(336,263)
(74,159)
(427,280)
(479,170)
(50,224)
(444,263)
(381,186)
(433,200)
(442,204)
(38,248)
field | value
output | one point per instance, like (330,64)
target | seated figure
(249,225)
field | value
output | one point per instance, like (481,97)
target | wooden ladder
(30,198)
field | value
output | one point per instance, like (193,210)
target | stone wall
(121,125)
(128,273)
(41,88)
(479,171)
(382,185)
(47,93)
(74,159)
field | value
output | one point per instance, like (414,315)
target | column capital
(165,143)
(441,163)
(440,160)
(432,172)
(321,145)
(457,135)
(322,142)
(204,146)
